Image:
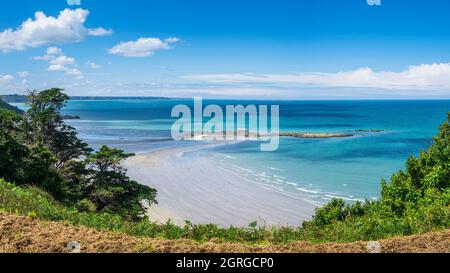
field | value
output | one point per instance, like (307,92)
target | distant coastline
(75,98)
(7,106)
(16,98)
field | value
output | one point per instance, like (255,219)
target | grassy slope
(105,233)
(24,234)
(37,204)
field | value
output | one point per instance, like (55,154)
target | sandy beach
(192,187)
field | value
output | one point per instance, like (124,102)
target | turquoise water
(317,169)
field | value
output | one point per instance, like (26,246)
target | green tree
(44,126)
(40,149)
(427,174)
(13,155)
(9,121)
(111,190)
(43,173)
(24,165)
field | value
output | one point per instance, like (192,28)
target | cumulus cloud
(92,65)
(7,83)
(62,60)
(57,67)
(68,27)
(75,73)
(6,78)
(374,2)
(54,51)
(23,74)
(74,2)
(100,31)
(51,53)
(58,62)
(425,76)
(142,47)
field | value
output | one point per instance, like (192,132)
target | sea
(318,170)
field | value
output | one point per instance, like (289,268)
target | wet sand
(192,187)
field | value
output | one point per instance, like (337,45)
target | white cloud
(62,60)
(142,47)
(57,67)
(6,78)
(7,83)
(425,76)
(54,51)
(68,27)
(374,2)
(58,62)
(23,74)
(100,31)
(77,74)
(92,65)
(74,2)
(172,40)
(43,58)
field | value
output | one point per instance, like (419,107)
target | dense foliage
(39,149)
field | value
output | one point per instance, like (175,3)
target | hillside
(14,98)
(24,234)
(4,105)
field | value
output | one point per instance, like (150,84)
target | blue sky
(241,49)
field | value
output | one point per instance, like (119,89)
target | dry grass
(27,235)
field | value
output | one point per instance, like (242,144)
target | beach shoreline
(192,187)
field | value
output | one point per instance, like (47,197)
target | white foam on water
(275,169)
(308,191)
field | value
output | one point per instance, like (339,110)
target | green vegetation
(40,149)
(54,176)
(33,202)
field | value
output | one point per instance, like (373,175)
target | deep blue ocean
(317,169)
